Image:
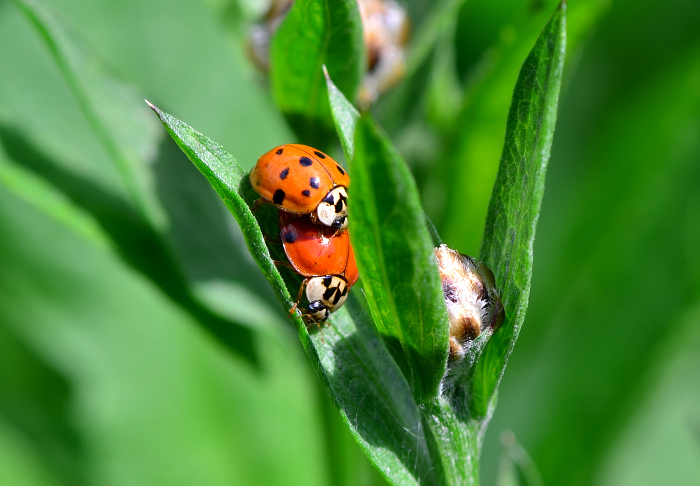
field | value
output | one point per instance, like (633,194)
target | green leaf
(450,437)
(314,33)
(469,161)
(373,397)
(111,108)
(139,245)
(361,377)
(396,259)
(345,116)
(36,441)
(50,201)
(603,248)
(442,17)
(516,466)
(112,364)
(516,199)
(229,180)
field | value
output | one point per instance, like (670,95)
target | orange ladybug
(299,179)
(325,258)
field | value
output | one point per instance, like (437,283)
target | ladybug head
(317,311)
(340,222)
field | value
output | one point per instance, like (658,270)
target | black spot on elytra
(322,155)
(340,169)
(279,151)
(284,173)
(278,197)
(314,182)
(306,193)
(305,161)
(289,235)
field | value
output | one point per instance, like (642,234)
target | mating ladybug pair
(310,190)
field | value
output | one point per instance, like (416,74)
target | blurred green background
(110,371)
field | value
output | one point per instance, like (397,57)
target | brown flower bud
(472,300)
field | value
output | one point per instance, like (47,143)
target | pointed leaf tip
(515,203)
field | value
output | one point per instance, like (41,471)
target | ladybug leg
(273,240)
(256,204)
(309,322)
(296,303)
(326,231)
(280,263)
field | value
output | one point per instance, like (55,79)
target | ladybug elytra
(324,258)
(299,179)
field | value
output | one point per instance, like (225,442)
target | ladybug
(299,179)
(325,258)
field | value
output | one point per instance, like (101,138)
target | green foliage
(316,33)
(397,263)
(345,356)
(509,236)
(128,212)
(345,116)
(400,280)
(116,254)
(108,106)
(230,182)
